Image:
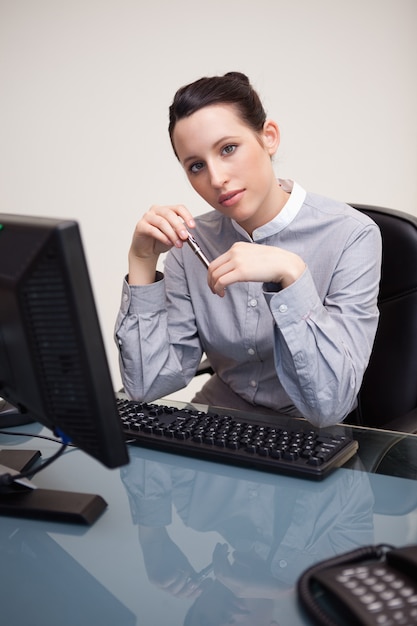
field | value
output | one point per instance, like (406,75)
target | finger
(185,215)
(220,261)
(155,231)
(172,229)
(177,215)
(221,278)
(160,227)
(173,221)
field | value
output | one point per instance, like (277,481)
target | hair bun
(238,76)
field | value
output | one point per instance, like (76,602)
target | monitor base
(19,460)
(55,506)
(46,504)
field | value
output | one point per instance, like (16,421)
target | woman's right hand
(161,228)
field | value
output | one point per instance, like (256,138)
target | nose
(218,174)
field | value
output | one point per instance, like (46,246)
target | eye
(229,149)
(196,167)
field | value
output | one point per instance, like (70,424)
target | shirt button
(253,302)
(283,563)
(253,383)
(125,297)
(283,308)
(251,351)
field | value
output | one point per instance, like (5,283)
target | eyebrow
(224,139)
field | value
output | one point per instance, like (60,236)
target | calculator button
(397,584)
(388,578)
(359,591)
(406,592)
(368,598)
(380,571)
(351,584)
(388,594)
(342,579)
(348,571)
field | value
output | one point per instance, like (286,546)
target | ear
(271,136)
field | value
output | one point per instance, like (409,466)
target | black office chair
(388,396)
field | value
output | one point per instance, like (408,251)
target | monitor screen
(52,356)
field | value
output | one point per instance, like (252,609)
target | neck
(276,201)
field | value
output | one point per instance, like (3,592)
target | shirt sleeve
(159,348)
(149,489)
(322,348)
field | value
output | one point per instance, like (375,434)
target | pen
(197,250)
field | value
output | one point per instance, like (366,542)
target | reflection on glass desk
(190,542)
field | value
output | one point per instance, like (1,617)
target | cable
(34,436)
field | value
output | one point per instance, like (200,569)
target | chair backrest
(389,388)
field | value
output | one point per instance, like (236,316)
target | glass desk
(171,518)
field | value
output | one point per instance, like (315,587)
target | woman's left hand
(253,262)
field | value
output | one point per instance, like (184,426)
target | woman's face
(229,164)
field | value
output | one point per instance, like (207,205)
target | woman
(287,310)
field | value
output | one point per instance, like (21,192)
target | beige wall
(85,86)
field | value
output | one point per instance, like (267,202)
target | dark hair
(232,88)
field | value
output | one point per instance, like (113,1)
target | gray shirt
(301,350)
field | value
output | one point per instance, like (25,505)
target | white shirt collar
(288,212)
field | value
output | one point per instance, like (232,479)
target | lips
(231,197)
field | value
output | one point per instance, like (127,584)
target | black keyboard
(282,445)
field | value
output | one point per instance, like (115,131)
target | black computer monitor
(52,357)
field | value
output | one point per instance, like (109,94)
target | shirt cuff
(295,302)
(143,298)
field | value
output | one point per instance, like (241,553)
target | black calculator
(376,588)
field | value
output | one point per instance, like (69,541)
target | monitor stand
(45,504)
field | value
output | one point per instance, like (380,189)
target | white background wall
(85,87)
